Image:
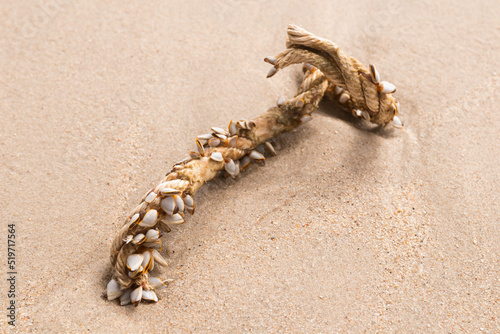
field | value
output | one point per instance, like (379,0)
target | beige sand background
(349,229)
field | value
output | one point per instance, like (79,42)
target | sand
(349,229)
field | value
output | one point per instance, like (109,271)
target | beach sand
(350,228)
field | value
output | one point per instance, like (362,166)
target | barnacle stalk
(136,248)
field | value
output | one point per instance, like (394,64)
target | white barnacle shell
(199,144)
(149,295)
(138,239)
(232,141)
(179,203)
(233,129)
(134,261)
(219,130)
(396,122)
(157,283)
(158,258)
(220,136)
(374,74)
(168,205)
(271,60)
(125,297)
(167,191)
(338,90)
(230,167)
(188,200)
(113,290)
(386,87)
(133,220)
(135,274)
(271,72)
(214,142)
(136,295)
(152,235)
(146,261)
(343,98)
(256,155)
(149,218)
(150,197)
(244,162)
(175,219)
(205,137)
(216,156)
(358,113)
(281,101)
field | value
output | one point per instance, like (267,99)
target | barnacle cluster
(136,249)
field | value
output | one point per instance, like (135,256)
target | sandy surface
(349,229)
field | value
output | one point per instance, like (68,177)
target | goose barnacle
(244,162)
(271,60)
(168,205)
(201,149)
(157,283)
(343,98)
(138,239)
(216,156)
(167,191)
(270,148)
(146,261)
(281,101)
(271,72)
(386,87)
(137,273)
(152,235)
(136,295)
(113,290)
(204,137)
(134,220)
(396,122)
(150,197)
(231,142)
(149,219)
(256,155)
(233,129)
(149,295)
(125,297)
(219,131)
(230,167)
(189,202)
(175,219)
(179,203)
(214,142)
(374,74)
(158,258)
(134,261)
